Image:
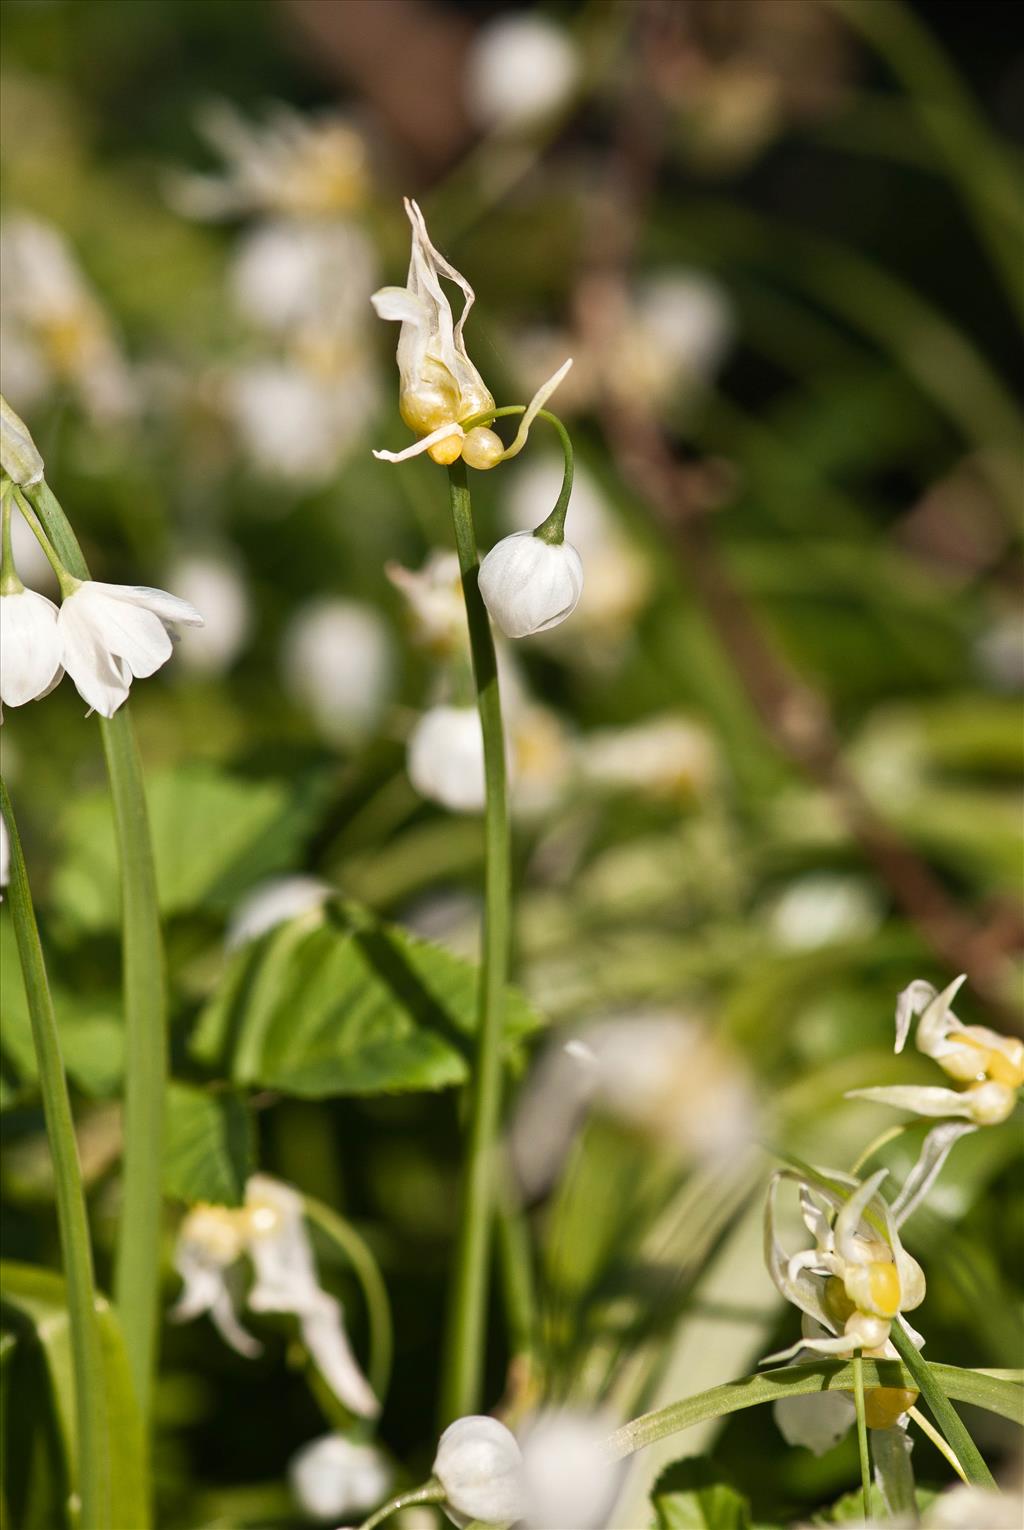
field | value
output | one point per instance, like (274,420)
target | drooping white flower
(19,455)
(211,1241)
(271,903)
(290,164)
(445,758)
(990,1065)
(570,1477)
(817,1422)
(214,586)
(30,647)
(338,660)
(439,387)
(286,1281)
(332,1476)
(529,584)
(664,757)
(519,70)
(435,602)
(111,633)
(480,1467)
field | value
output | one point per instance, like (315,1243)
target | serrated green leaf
(214,834)
(347,1006)
(208,1146)
(35,1304)
(694,1495)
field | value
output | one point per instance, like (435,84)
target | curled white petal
(443,433)
(934,1151)
(922,1099)
(914,998)
(534,407)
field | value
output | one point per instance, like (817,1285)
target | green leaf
(347,1005)
(214,834)
(694,1495)
(35,1305)
(208,1146)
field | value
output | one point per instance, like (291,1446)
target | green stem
(137,1265)
(862,1434)
(553,528)
(10,584)
(93,1462)
(945,1415)
(430,1492)
(930,1432)
(462,1370)
(367,1271)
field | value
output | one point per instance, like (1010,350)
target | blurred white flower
(338,660)
(435,602)
(445,758)
(541,755)
(111,633)
(273,902)
(974,1508)
(270,1230)
(991,1065)
(213,585)
(19,455)
(289,274)
(519,70)
(663,757)
(822,909)
(480,1467)
(53,327)
(332,1476)
(300,166)
(660,1072)
(439,387)
(530,584)
(30,647)
(295,425)
(570,1478)
(618,579)
(999,651)
(677,334)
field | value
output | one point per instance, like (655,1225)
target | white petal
(29,647)
(400,304)
(423,444)
(817,1421)
(938,1020)
(934,1151)
(534,407)
(127,631)
(914,998)
(101,679)
(323,1333)
(168,607)
(852,1213)
(923,1100)
(224,1319)
(845,1344)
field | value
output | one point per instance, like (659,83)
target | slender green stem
(367,1271)
(930,1432)
(553,528)
(945,1415)
(862,1434)
(464,1340)
(93,1462)
(137,1265)
(430,1492)
(879,1142)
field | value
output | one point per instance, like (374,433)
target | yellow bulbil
(482,448)
(874,1288)
(885,1406)
(446,451)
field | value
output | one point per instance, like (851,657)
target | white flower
(214,586)
(822,909)
(19,456)
(332,1476)
(288,164)
(294,424)
(286,1281)
(529,584)
(439,387)
(270,1230)
(818,1421)
(681,327)
(480,1467)
(30,647)
(991,1065)
(974,1508)
(112,632)
(445,758)
(289,274)
(271,903)
(519,70)
(665,757)
(570,1477)
(338,661)
(436,604)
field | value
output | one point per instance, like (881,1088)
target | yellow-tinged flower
(439,387)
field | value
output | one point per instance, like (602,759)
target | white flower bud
(19,456)
(446,758)
(332,1476)
(480,1467)
(529,585)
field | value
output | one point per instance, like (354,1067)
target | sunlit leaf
(208,1146)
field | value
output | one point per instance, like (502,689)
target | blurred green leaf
(348,1006)
(208,1147)
(34,1301)
(214,834)
(693,1495)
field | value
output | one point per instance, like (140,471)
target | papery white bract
(519,70)
(332,1476)
(529,585)
(338,661)
(445,758)
(30,647)
(111,633)
(480,1467)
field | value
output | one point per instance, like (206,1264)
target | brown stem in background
(794,716)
